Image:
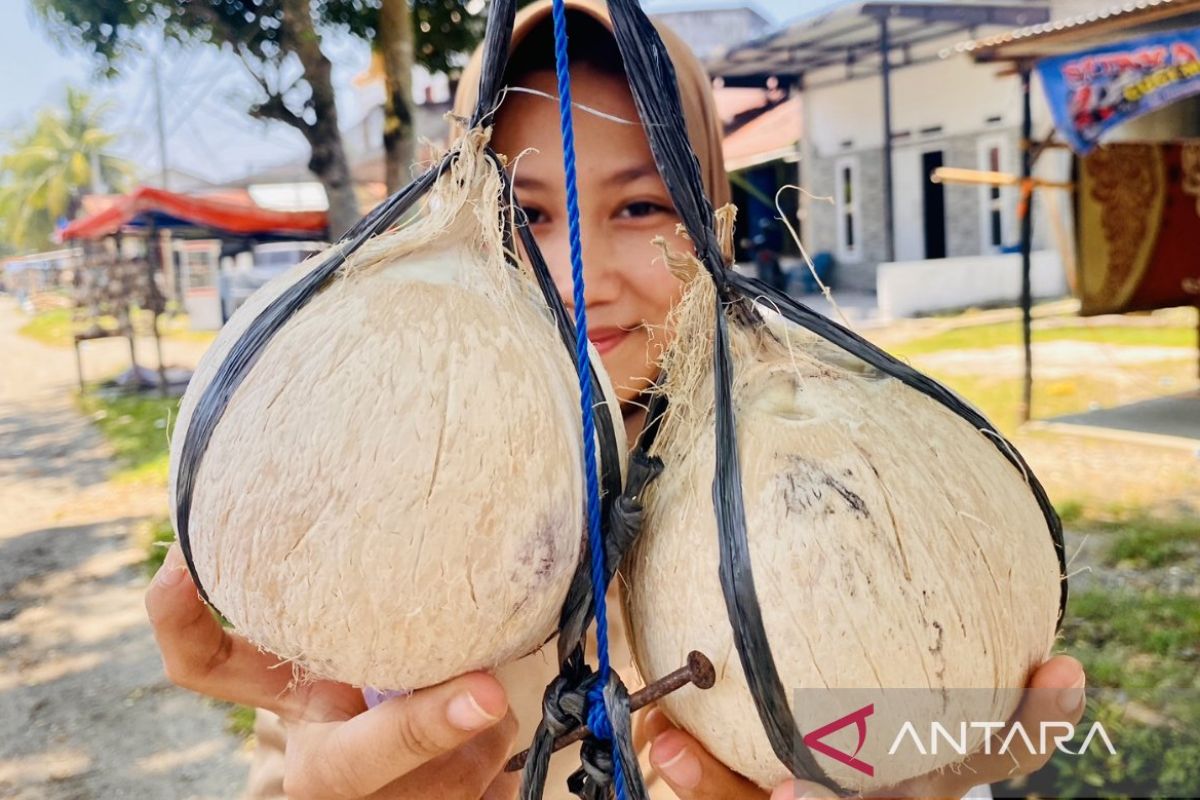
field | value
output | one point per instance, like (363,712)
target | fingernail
(1070,700)
(799,790)
(677,764)
(786,791)
(465,713)
(173,568)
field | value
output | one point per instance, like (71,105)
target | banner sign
(1137,211)
(1092,91)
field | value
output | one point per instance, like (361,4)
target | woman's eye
(534,215)
(643,208)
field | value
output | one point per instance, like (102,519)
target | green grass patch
(1136,539)
(1142,650)
(999,398)
(239,721)
(155,538)
(1144,543)
(53,327)
(136,427)
(978,337)
(1070,511)
(1155,636)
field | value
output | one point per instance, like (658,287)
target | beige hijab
(695,89)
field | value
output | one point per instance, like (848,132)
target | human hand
(694,774)
(448,741)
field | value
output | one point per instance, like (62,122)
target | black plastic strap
(655,92)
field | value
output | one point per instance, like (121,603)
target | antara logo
(1058,733)
(858,719)
(1051,734)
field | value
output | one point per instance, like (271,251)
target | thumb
(693,773)
(369,751)
(797,790)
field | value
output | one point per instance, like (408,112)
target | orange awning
(773,134)
(146,206)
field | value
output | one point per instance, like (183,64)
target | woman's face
(623,205)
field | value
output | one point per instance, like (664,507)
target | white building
(867,203)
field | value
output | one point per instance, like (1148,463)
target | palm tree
(51,165)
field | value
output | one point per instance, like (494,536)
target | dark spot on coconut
(855,502)
(539,555)
(937,647)
(806,485)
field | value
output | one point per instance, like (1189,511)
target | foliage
(49,167)
(444,30)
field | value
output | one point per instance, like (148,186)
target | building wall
(952,105)
(709,31)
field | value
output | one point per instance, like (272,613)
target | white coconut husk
(393,495)
(892,546)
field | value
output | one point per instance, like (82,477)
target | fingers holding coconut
(199,654)
(361,756)
(1056,701)
(690,771)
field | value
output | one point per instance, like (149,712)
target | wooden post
(1024,213)
(79,364)
(162,368)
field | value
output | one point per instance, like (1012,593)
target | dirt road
(85,711)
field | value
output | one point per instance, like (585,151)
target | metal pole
(160,123)
(885,71)
(1024,212)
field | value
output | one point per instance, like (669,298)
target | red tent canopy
(166,209)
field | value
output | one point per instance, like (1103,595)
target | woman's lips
(605,339)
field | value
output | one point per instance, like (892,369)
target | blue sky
(208,131)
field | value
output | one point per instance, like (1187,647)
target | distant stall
(1122,86)
(130,269)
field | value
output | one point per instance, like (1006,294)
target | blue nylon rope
(598,720)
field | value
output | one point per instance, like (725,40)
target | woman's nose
(601,264)
(601,270)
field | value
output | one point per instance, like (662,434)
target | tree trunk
(328,158)
(396,44)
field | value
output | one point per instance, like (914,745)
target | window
(996,201)
(849,218)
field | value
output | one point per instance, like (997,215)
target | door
(934,205)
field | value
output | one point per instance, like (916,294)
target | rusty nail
(698,671)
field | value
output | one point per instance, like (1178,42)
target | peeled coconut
(891,545)
(393,496)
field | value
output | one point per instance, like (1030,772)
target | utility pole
(885,74)
(159,122)
(1025,214)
